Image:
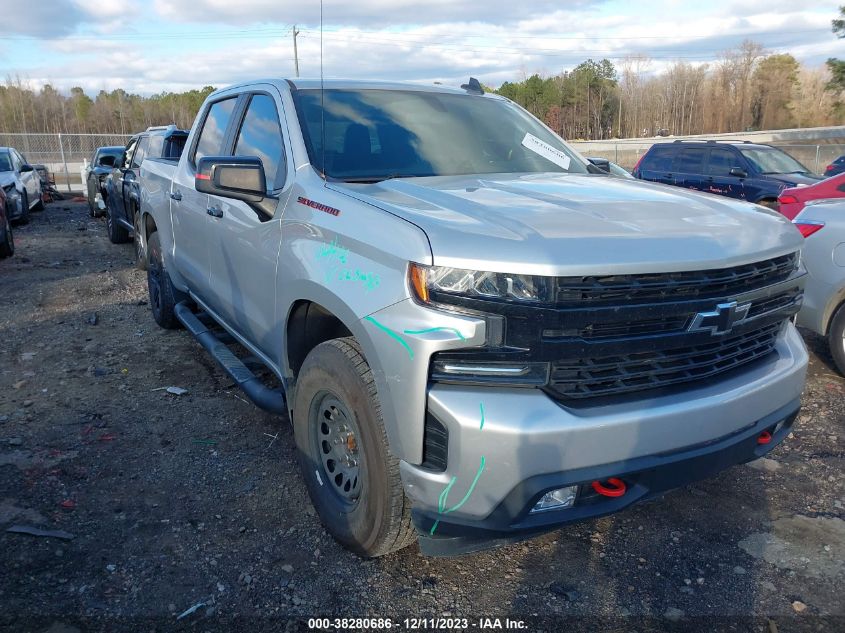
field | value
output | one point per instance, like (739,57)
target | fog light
(557,499)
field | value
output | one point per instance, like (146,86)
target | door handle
(177,196)
(215,212)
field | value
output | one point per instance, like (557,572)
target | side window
(127,153)
(691,160)
(260,135)
(156,146)
(721,162)
(659,159)
(214,128)
(141,152)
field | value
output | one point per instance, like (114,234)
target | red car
(792,200)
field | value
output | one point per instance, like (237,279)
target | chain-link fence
(65,155)
(627,153)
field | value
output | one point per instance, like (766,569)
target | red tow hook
(615,487)
(764,438)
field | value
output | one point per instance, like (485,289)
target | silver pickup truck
(477,335)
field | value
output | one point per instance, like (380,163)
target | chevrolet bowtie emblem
(722,319)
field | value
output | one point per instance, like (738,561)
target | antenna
(322,103)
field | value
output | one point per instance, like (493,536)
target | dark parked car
(123,200)
(102,162)
(7,239)
(836,167)
(738,169)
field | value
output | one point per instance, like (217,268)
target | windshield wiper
(374,179)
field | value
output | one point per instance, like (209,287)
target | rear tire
(836,338)
(7,246)
(137,238)
(39,206)
(163,296)
(118,234)
(336,400)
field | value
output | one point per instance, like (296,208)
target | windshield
(5,161)
(372,135)
(773,161)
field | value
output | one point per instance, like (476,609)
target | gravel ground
(180,500)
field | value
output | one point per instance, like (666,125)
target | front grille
(627,289)
(590,377)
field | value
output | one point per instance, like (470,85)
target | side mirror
(739,172)
(238,177)
(105,161)
(27,167)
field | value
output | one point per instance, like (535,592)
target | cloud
(367,13)
(44,18)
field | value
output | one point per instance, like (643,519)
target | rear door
(245,238)
(719,179)
(689,168)
(130,177)
(189,208)
(116,198)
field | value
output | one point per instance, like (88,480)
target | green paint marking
(441,501)
(392,334)
(471,488)
(481,406)
(436,329)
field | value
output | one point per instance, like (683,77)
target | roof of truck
(300,83)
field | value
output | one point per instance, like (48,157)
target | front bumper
(528,445)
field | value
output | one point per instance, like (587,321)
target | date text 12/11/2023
(417,624)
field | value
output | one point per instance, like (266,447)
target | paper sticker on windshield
(545,150)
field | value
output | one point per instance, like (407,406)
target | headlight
(431,280)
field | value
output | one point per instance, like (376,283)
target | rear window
(658,158)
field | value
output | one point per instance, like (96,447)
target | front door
(719,178)
(245,238)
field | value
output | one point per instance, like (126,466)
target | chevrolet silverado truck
(477,335)
(122,189)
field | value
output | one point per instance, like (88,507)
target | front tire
(24,217)
(352,478)
(163,296)
(118,234)
(836,338)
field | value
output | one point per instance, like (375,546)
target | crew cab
(478,336)
(122,187)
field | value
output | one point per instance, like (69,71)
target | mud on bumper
(644,477)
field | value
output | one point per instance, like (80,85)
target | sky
(151,46)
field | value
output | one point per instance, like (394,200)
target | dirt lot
(179,500)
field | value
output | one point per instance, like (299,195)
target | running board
(262,396)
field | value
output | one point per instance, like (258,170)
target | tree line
(745,89)
(116,112)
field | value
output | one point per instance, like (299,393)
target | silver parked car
(21,184)
(822,224)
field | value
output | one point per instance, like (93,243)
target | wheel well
(149,225)
(309,325)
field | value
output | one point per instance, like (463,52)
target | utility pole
(295,54)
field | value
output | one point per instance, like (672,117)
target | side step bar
(263,397)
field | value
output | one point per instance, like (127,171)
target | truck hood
(577,224)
